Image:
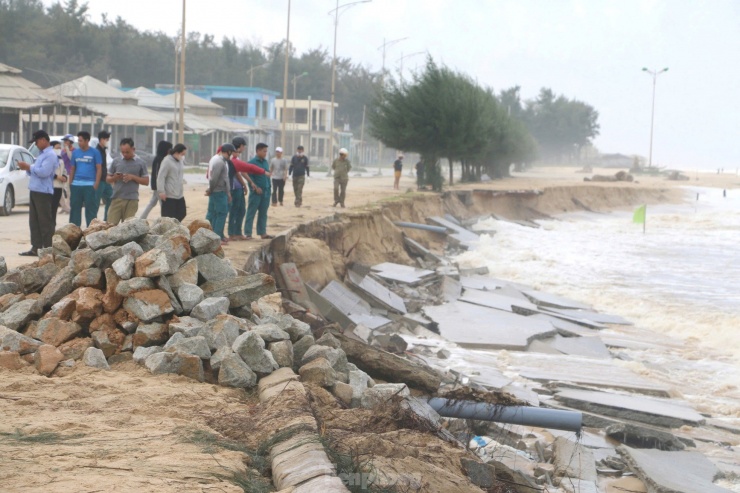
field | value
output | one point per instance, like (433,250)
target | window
(264,109)
(301,115)
(240,108)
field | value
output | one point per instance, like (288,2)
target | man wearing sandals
(259,195)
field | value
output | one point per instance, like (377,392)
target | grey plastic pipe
(425,227)
(519,415)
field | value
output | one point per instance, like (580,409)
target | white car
(13,180)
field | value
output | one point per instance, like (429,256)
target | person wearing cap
(84,179)
(397,170)
(341,167)
(40,184)
(279,173)
(219,190)
(60,179)
(105,190)
(299,170)
(127,172)
(259,196)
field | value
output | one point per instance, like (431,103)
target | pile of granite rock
(161,294)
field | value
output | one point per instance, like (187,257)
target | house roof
(130,114)
(192,101)
(17,92)
(151,99)
(89,88)
(206,124)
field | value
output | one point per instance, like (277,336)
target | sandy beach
(127,430)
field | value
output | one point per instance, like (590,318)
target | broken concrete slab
(450,288)
(644,437)
(661,412)
(328,310)
(566,328)
(673,472)
(492,299)
(345,299)
(342,299)
(463,237)
(573,460)
(402,273)
(548,300)
(479,327)
(291,278)
(486,283)
(589,316)
(589,347)
(585,371)
(376,292)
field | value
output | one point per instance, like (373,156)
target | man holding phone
(127,172)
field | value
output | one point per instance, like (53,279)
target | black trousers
(40,220)
(174,208)
(278,191)
(55,205)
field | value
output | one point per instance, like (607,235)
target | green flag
(639,216)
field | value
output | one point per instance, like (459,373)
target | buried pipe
(425,227)
(519,415)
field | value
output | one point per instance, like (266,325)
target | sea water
(680,279)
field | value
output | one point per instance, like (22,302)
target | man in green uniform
(259,195)
(341,167)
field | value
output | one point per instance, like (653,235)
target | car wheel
(8,202)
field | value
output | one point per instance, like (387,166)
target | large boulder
(153,334)
(3,267)
(163,284)
(336,357)
(92,278)
(34,279)
(271,333)
(153,263)
(88,305)
(222,331)
(177,249)
(233,372)
(134,285)
(189,295)
(187,326)
(95,358)
(191,345)
(212,268)
(251,349)
(282,352)
(46,359)
(124,266)
(318,372)
(186,274)
(55,331)
(300,347)
(168,226)
(71,234)
(84,258)
(204,241)
(187,365)
(58,287)
(17,316)
(9,287)
(210,308)
(111,299)
(148,305)
(10,340)
(76,348)
(125,232)
(241,291)
(109,340)
(60,247)
(142,353)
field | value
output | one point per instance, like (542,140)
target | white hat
(343,151)
(278,149)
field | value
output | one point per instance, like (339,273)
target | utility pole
(362,137)
(175,88)
(655,75)
(382,88)
(285,81)
(310,128)
(181,125)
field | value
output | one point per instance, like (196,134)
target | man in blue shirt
(84,179)
(40,183)
(259,196)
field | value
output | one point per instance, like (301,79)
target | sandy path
(118,430)
(318,198)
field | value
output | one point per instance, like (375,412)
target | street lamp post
(334,67)
(285,81)
(181,123)
(403,57)
(251,70)
(654,74)
(382,88)
(295,120)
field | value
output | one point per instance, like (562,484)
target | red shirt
(242,167)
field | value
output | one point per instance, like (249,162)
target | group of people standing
(92,176)
(238,191)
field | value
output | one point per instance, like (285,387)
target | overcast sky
(592,50)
